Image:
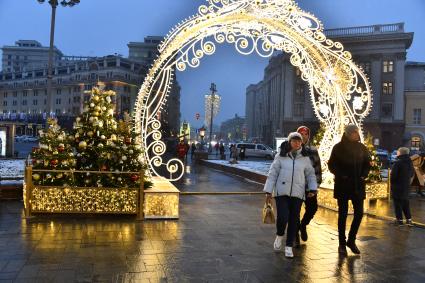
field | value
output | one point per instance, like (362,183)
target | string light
(339,90)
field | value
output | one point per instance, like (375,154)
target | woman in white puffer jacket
(287,179)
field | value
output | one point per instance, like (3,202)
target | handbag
(268,213)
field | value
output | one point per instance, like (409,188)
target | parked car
(257,150)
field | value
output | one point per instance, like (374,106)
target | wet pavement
(218,238)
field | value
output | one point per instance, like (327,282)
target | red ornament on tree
(134,178)
(54,162)
(104,168)
(61,148)
(127,140)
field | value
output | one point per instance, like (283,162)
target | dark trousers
(342,219)
(402,206)
(288,213)
(310,210)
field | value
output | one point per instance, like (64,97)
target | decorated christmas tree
(54,153)
(318,136)
(103,144)
(375,170)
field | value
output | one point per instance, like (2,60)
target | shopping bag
(268,213)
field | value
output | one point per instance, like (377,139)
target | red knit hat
(303,130)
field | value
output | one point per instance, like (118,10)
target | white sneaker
(278,243)
(288,252)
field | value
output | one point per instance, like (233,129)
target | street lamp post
(53,4)
(213,89)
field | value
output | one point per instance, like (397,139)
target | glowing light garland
(339,89)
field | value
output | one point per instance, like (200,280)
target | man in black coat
(350,163)
(400,178)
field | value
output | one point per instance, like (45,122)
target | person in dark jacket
(350,163)
(310,203)
(401,174)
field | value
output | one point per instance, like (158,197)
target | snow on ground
(260,167)
(10,168)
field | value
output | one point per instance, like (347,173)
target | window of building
(299,90)
(24,102)
(15,94)
(416,142)
(58,91)
(387,110)
(298,109)
(417,113)
(4,103)
(35,92)
(88,87)
(25,93)
(14,103)
(59,80)
(9,56)
(5,94)
(35,102)
(58,112)
(58,101)
(387,66)
(45,92)
(45,102)
(25,83)
(35,82)
(387,88)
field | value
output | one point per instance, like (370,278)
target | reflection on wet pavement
(217,239)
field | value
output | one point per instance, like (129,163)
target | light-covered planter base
(159,202)
(374,191)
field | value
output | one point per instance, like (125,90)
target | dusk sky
(103,27)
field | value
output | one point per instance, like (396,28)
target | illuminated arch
(339,90)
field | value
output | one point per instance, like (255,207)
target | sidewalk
(217,239)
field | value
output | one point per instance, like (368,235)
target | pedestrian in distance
(286,180)
(401,176)
(242,152)
(192,150)
(222,150)
(310,203)
(350,164)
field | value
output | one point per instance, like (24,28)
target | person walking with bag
(400,178)
(350,163)
(286,179)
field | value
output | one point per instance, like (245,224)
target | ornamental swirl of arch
(339,90)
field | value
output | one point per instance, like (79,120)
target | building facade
(23,90)
(281,101)
(415,105)
(233,130)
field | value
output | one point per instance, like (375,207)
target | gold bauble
(35,177)
(82,145)
(96,98)
(90,133)
(95,113)
(97,108)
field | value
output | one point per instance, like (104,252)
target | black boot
(303,231)
(353,247)
(342,250)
